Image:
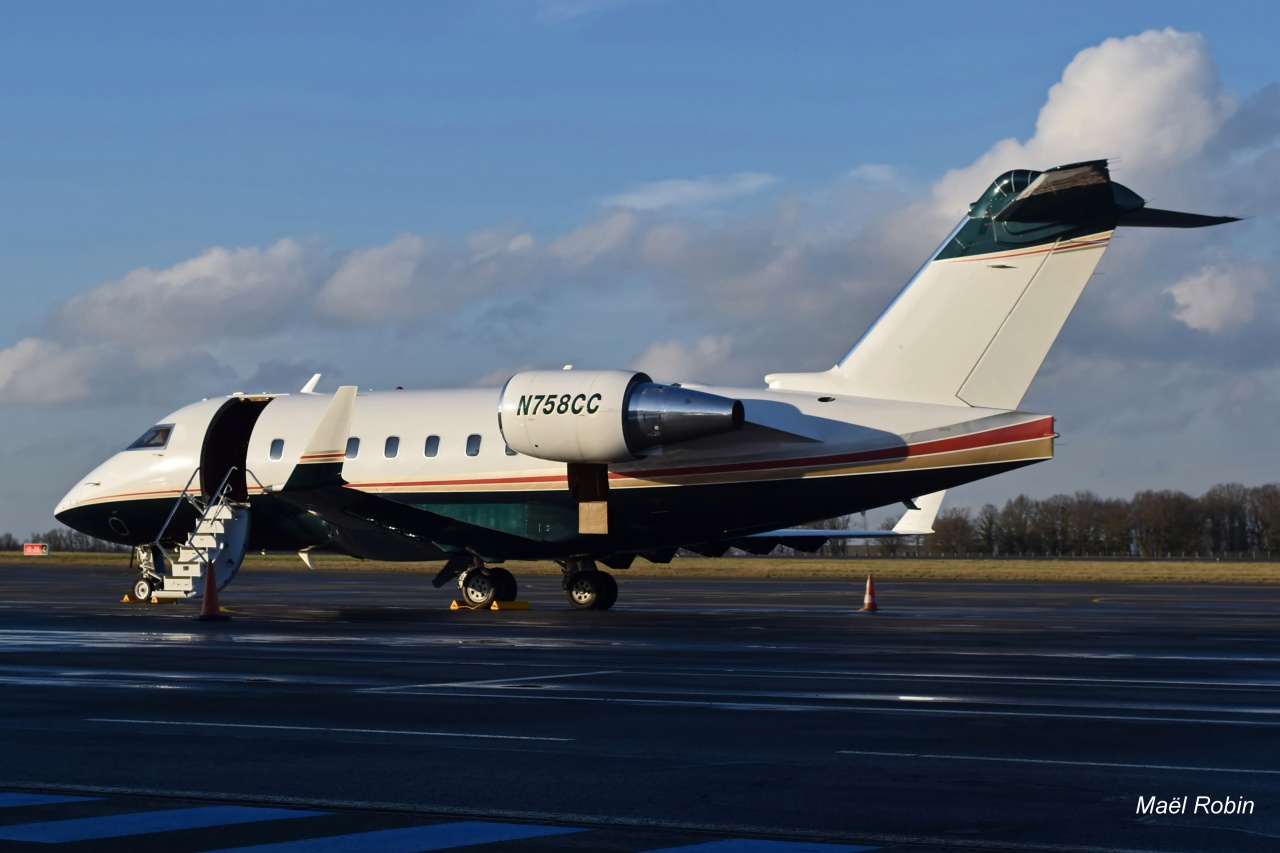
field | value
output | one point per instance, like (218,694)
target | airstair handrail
(249,473)
(216,499)
(176,504)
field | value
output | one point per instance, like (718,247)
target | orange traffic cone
(209,609)
(869,600)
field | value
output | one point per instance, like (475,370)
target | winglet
(321,462)
(919,521)
(310,387)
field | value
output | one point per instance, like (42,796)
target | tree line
(61,539)
(1227,519)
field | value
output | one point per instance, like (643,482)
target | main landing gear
(588,588)
(482,585)
(585,586)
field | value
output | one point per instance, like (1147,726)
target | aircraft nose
(68,502)
(73,499)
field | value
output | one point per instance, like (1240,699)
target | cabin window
(277,449)
(432,446)
(392,447)
(353,447)
(473,445)
(509,451)
(156,438)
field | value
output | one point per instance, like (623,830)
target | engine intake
(602,416)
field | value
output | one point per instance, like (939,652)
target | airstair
(217,542)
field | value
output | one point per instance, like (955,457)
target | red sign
(35,549)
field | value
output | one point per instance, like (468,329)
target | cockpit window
(156,438)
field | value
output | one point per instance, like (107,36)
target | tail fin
(976,322)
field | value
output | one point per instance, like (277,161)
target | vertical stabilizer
(977,321)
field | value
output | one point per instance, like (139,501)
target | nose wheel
(142,589)
(148,558)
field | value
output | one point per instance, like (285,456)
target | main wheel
(608,591)
(583,590)
(142,589)
(478,589)
(504,583)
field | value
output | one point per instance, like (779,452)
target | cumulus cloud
(221,293)
(39,371)
(783,281)
(1148,103)
(36,370)
(1217,299)
(675,360)
(678,193)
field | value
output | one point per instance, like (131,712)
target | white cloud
(1218,299)
(220,293)
(373,285)
(41,371)
(1147,102)
(676,361)
(681,193)
(552,12)
(874,174)
(592,241)
(790,282)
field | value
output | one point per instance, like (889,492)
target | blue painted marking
(9,801)
(141,823)
(760,845)
(413,839)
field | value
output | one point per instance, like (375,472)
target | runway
(962,716)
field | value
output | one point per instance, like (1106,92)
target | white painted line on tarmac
(324,729)
(489,682)
(847,709)
(942,757)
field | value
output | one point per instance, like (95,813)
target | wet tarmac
(975,715)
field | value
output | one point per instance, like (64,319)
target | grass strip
(1206,570)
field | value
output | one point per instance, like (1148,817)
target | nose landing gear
(150,562)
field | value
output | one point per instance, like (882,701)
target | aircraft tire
(478,588)
(142,589)
(582,589)
(505,584)
(608,591)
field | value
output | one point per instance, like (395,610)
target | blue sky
(202,198)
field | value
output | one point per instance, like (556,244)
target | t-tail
(975,324)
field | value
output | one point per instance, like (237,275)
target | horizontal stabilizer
(812,532)
(1063,194)
(1149,217)
(918,521)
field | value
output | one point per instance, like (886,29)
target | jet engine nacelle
(602,416)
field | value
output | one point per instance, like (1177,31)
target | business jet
(594,468)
